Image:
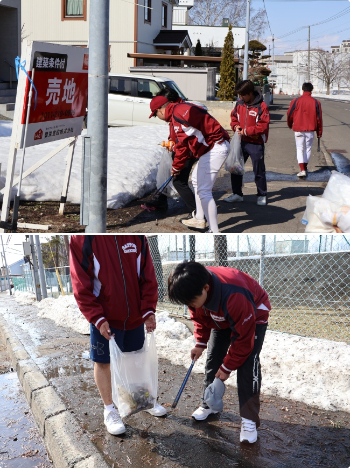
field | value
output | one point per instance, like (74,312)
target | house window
(164,15)
(148,6)
(73,10)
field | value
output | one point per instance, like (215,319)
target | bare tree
(328,67)
(212,12)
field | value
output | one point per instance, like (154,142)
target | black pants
(256,151)
(248,375)
(181,185)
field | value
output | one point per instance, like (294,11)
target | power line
(268,22)
(331,18)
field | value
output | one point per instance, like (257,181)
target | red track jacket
(305,114)
(236,301)
(196,131)
(113,279)
(253,118)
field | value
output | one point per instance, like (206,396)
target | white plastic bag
(134,377)
(315,206)
(338,189)
(164,172)
(235,161)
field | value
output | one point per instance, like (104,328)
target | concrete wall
(10,36)
(196,83)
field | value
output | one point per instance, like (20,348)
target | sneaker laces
(114,417)
(248,425)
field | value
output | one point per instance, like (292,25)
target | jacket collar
(213,303)
(306,93)
(169,111)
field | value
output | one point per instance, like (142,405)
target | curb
(65,441)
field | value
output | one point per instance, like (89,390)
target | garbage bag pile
(329,213)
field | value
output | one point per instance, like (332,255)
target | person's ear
(206,287)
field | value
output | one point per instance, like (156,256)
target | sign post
(55,112)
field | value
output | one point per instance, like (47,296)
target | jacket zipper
(121,266)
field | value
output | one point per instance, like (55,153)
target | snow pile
(311,370)
(64,312)
(133,158)
(24,298)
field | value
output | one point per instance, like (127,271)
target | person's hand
(239,130)
(196,353)
(106,331)
(222,375)
(170,146)
(174,173)
(150,323)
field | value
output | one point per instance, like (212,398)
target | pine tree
(198,50)
(227,69)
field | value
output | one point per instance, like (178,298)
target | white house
(133,25)
(344,47)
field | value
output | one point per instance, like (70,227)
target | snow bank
(310,370)
(133,158)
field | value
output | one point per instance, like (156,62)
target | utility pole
(41,267)
(273,49)
(35,270)
(98,114)
(246,46)
(5,263)
(308,58)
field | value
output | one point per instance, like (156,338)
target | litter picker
(157,193)
(318,145)
(183,385)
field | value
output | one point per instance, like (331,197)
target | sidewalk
(286,193)
(57,378)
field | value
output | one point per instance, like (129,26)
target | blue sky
(287,15)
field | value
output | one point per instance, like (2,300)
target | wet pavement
(21,445)
(291,433)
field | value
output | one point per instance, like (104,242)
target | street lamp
(245,65)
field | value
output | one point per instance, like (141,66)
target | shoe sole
(245,441)
(117,433)
(194,227)
(203,419)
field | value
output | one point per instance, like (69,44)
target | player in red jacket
(304,116)
(230,311)
(180,182)
(250,119)
(115,287)
(198,135)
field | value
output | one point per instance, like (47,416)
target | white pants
(304,141)
(203,179)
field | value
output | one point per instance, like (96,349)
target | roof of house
(174,37)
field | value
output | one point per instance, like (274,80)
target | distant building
(344,47)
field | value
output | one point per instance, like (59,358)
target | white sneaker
(113,422)
(233,198)
(202,413)
(301,174)
(194,223)
(248,431)
(261,201)
(157,410)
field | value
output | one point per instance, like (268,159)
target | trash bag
(235,161)
(338,189)
(164,172)
(312,218)
(134,377)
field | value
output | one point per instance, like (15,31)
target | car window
(172,85)
(120,86)
(147,88)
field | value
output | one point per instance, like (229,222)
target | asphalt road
(286,193)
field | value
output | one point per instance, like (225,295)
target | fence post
(41,267)
(35,270)
(262,261)
(192,248)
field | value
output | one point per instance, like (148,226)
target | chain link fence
(53,286)
(305,276)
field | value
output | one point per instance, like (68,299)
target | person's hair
(187,281)
(169,93)
(245,87)
(307,87)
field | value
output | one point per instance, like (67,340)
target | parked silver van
(129,97)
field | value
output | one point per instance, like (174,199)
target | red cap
(156,103)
